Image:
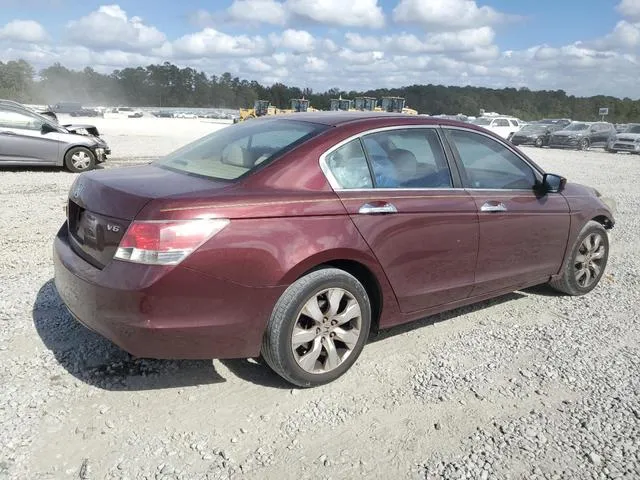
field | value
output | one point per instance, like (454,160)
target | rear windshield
(236,150)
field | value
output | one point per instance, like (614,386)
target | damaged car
(30,139)
(627,141)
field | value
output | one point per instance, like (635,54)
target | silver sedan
(30,139)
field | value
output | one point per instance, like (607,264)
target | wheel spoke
(312,310)
(596,269)
(309,359)
(334,296)
(352,311)
(595,242)
(348,337)
(333,358)
(580,273)
(599,253)
(302,336)
(580,258)
(587,277)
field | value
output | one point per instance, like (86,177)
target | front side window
(348,165)
(501,122)
(236,150)
(411,158)
(487,164)
(18,120)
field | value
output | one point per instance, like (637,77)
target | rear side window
(236,150)
(411,158)
(501,122)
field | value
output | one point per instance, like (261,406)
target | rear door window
(348,166)
(410,158)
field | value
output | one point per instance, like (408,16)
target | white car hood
(632,136)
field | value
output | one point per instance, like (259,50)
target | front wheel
(79,159)
(318,328)
(584,144)
(585,265)
(539,142)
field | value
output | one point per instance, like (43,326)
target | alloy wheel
(588,261)
(326,331)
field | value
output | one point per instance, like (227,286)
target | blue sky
(584,47)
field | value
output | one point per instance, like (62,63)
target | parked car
(124,112)
(535,133)
(628,141)
(292,236)
(503,126)
(28,138)
(583,135)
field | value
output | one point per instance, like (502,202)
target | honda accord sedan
(291,237)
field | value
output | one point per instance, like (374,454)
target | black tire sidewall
(289,314)
(569,274)
(68,163)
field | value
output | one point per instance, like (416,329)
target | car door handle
(493,207)
(377,208)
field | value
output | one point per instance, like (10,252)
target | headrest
(238,156)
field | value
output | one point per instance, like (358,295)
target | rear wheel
(318,328)
(585,266)
(539,142)
(79,159)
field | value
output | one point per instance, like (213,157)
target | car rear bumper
(163,312)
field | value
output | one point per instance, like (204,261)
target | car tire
(584,144)
(313,308)
(79,159)
(586,262)
(539,142)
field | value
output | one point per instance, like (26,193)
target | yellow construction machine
(396,105)
(366,104)
(260,109)
(340,104)
(301,105)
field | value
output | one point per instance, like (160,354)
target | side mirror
(46,128)
(552,183)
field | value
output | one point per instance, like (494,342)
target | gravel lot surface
(531,385)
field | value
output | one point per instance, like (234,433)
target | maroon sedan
(293,236)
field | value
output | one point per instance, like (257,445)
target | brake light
(166,242)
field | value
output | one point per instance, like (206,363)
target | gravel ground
(531,385)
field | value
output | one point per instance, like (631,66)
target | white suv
(503,126)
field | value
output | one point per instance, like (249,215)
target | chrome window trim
(358,136)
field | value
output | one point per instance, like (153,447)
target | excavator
(396,105)
(260,109)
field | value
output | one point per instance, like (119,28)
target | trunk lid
(102,204)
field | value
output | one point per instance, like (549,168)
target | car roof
(336,119)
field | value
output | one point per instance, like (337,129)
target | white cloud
(26,31)
(212,43)
(353,13)
(109,27)
(470,40)
(257,65)
(299,41)
(446,14)
(629,9)
(315,64)
(260,11)
(625,35)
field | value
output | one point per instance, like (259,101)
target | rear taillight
(166,242)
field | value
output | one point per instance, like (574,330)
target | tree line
(167,85)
